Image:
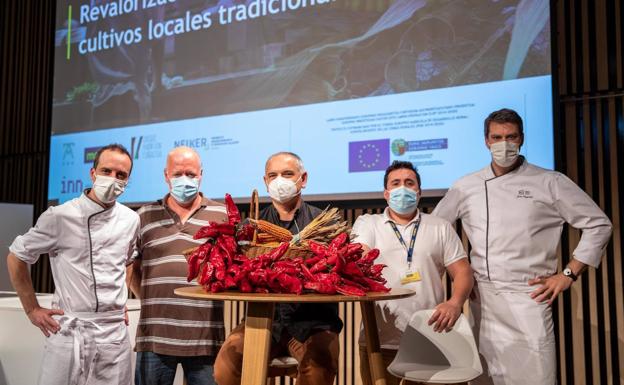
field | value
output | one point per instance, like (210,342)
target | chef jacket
(89,247)
(514,221)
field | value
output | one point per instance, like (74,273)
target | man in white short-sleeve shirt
(417,249)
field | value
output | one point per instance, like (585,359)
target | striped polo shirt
(170,324)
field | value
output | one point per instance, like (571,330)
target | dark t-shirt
(300,320)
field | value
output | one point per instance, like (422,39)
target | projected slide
(350,85)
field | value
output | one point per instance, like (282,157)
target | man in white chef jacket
(513,213)
(89,239)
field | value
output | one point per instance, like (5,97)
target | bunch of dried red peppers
(339,267)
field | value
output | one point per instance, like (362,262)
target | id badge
(410,276)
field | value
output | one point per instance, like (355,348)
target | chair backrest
(424,350)
(458,346)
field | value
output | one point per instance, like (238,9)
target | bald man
(173,330)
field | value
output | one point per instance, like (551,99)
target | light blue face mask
(403,200)
(184,189)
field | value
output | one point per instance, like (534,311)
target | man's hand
(42,318)
(445,316)
(550,287)
(126,318)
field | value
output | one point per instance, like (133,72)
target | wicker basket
(254,250)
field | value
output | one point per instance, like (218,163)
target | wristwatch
(567,272)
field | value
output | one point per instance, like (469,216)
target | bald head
(285,156)
(183,161)
(183,154)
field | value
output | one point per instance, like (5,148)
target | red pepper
(307,274)
(318,249)
(232,211)
(229,282)
(353,252)
(352,269)
(321,287)
(273,282)
(245,233)
(287,267)
(225,228)
(375,271)
(338,242)
(229,243)
(216,287)
(339,264)
(372,284)
(311,261)
(195,260)
(245,286)
(350,290)
(206,232)
(214,229)
(370,256)
(319,266)
(258,277)
(193,267)
(349,282)
(289,283)
(217,259)
(278,252)
(207,271)
(331,278)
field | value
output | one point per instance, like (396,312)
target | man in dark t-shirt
(307,332)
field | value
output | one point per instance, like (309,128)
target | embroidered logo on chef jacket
(524,194)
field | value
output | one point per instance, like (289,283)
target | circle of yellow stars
(366,147)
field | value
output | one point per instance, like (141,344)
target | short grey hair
(297,158)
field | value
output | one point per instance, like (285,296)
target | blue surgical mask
(403,200)
(184,189)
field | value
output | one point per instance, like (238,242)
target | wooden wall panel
(589,71)
(26,63)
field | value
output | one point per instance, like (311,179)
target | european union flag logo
(369,155)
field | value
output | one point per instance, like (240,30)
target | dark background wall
(588,55)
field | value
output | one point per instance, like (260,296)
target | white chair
(282,367)
(427,356)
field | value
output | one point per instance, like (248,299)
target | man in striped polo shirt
(171,329)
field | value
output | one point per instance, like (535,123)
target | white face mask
(282,189)
(504,153)
(107,189)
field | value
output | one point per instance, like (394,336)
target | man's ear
(266,182)
(92,174)
(304,179)
(386,195)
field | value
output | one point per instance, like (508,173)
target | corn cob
(266,237)
(278,232)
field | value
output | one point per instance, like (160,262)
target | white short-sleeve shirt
(436,246)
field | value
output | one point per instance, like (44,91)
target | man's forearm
(577,266)
(21,281)
(133,278)
(462,284)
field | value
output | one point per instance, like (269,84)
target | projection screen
(349,85)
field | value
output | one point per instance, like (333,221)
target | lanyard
(410,250)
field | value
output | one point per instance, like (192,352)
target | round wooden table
(259,319)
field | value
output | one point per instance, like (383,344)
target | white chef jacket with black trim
(89,248)
(514,223)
